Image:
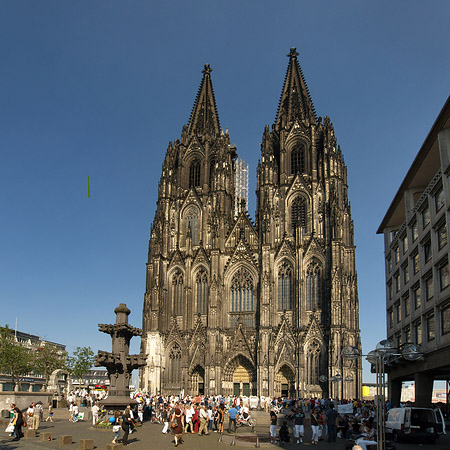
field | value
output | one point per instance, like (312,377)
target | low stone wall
(23,399)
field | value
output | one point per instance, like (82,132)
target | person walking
(116,427)
(314,421)
(232,413)
(221,417)
(331,416)
(166,418)
(94,410)
(127,423)
(50,413)
(18,422)
(299,427)
(177,424)
(203,421)
(273,427)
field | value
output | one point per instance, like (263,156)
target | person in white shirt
(189,412)
(94,409)
(203,421)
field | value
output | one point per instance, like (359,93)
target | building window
(444,278)
(242,291)
(177,291)
(389,290)
(416,297)
(391,318)
(426,218)
(298,214)
(389,265)
(429,288)
(201,281)
(194,174)
(430,328)
(312,363)
(405,244)
(414,231)
(426,247)
(174,375)
(397,282)
(407,335)
(313,287)
(406,306)
(285,287)
(396,255)
(445,319)
(192,224)
(398,312)
(298,159)
(439,199)
(415,262)
(418,333)
(405,274)
(442,236)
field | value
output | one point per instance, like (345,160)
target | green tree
(48,357)
(15,359)
(80,362)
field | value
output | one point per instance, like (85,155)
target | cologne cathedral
(243,307)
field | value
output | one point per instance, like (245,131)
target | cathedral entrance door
(241,381)
(284,382)
(198,381)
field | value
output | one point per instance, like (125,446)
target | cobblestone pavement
(149,437)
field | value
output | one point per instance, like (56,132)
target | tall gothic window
(177,292)
(285,287)
(312,363)
(174,368)
(194,174)
(242,291)
(298,214)
(192,223)
(298,159)
(313,284)
(201,281)
(212,165)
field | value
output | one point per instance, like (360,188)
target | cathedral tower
(234,307)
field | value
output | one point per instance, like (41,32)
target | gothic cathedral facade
(234,306)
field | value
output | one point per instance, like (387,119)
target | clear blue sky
(99,88)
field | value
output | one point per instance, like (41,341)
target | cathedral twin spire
(204,118)
(295,102)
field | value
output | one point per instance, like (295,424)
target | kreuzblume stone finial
(293,53)
(207,69)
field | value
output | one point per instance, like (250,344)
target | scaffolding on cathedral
(240,186)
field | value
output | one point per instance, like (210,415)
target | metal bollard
(233,441)
(220,437)
(257,442)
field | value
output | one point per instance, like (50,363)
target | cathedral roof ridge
(295,101)
(204,117)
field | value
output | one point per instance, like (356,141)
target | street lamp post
(384,353)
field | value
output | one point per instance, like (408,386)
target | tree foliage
(15,359)
(80,362)
(48,358)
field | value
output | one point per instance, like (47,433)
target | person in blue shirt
(232,413)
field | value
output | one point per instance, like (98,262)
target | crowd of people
(180,415)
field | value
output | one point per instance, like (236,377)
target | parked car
(414,422)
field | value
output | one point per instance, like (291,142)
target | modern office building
(416,228)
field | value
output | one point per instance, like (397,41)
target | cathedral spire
(295,102)
(204,118)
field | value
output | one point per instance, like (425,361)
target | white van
(414,422)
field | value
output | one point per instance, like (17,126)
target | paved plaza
(149,437)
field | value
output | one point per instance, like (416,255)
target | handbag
(9,428)
(116,428)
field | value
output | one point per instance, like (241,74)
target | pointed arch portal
(285,382)
(240,377)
